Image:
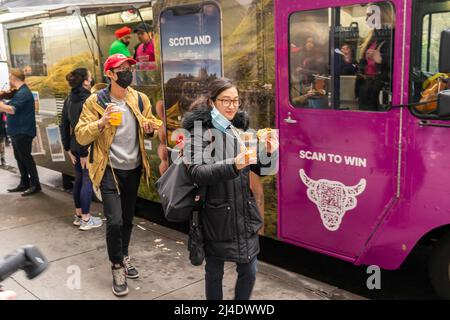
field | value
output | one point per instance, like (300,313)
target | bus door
(339,155)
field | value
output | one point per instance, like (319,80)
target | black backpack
(180,196)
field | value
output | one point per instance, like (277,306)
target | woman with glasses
(230,218)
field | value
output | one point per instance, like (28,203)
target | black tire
(96,195)
(439,267)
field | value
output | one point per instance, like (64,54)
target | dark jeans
(119,210)
(27,167)
(245,282)
(82,187)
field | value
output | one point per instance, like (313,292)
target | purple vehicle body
(364,187)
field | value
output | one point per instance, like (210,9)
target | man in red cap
(114,122)
(123,36)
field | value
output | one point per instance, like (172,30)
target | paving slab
(79,268)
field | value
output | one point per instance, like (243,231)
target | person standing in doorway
(21,128)
(123,36)
(114,121)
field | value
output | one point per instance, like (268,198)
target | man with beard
(123,36)
(22,130)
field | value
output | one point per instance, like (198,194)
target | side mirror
(443,108)
(444,61)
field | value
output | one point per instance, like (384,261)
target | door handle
(289,119)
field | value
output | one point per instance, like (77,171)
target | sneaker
(77,221)
(92,223)
(131,271)
(120,286)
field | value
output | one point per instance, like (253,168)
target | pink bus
(364,172)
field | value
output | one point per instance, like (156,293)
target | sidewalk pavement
(160,254)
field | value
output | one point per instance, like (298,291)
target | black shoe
(120,286)
(3,162)
(131,271)
(31,190)
(18,189)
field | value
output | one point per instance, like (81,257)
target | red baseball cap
(116,61)
(122,32)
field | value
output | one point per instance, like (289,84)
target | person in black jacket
(80,80)
(230,218)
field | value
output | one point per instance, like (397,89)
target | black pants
(119,210)
(214,268)
(27,167)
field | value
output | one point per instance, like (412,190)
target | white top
(125,152)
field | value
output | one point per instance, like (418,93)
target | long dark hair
(77,77)
(215,88)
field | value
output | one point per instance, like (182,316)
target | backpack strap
(140,103)
(103,97)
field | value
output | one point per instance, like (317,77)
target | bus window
(341,58)
(433,25)
(430,19)
(27,50)
(146,73)
(309,59)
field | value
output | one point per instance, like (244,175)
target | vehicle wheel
(96,195)
(439,267)
(67,182)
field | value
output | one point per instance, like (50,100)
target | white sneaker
(93,223)
(77,221)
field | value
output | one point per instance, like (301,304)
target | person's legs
(246,279)
(2,149)
(77,184)
(86,194)
(29,163)
(24,178)
(112,207)
(213,278)
(129,184)
(113,211)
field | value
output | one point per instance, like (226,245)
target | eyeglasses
(132,69)
(227,102)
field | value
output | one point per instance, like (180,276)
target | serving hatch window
(341,58)
(139,46)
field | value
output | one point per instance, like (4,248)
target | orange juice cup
(250,145)
(117,121)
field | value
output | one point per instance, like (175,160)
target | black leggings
(82,187)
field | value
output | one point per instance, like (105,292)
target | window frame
(332,75)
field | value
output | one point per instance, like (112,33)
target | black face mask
(124,78)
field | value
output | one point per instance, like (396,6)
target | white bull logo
(333,199)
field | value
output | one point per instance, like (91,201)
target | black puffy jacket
(73,106)
(230,217)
